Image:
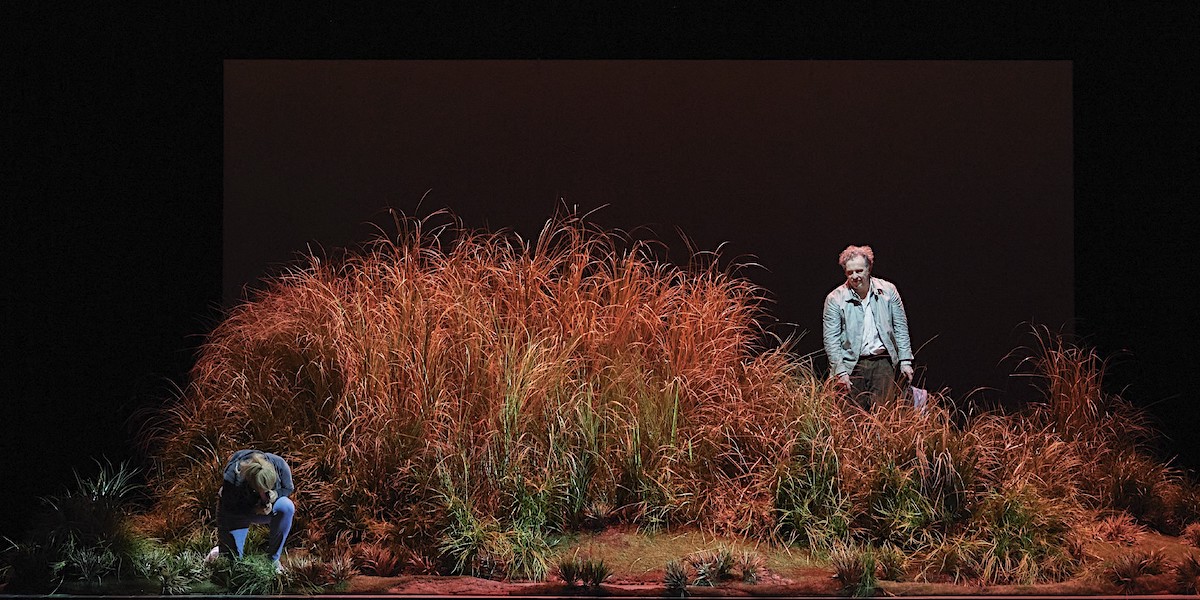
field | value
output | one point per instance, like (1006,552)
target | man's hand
(907,371)
(844,381)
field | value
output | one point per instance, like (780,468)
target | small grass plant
(751,566)
(306,574)
(594,571)
(854,567)
(676,579)
(339,571)
(1187,575)
(250,575)
(1126,571)
(378,559)
(712,566)
(179,573)
(569,570)
(1120,529)
(1191,535)
(890,563)
(957,558)
(89,564)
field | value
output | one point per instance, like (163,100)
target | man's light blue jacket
(843,324)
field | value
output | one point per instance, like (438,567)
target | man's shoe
(213,554)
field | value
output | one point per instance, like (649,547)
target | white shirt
(872,343)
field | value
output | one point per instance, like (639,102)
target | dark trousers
(873,380)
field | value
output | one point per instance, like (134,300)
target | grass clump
(593,572)
(957,558)
(1125,571)
(306,574)
(251,575)
(810,507)
(569,570)
(751,565)
(180,572)
(89,564)
(711,566)
(1024,538)
(676,579)
(1191,535)
(31,567)
(854,567)
(890,563)
(1120,529)
(339,571)
(378,559)
(1187,575)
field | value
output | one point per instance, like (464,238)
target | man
(865,331)
(255,489)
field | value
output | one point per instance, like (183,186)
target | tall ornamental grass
(465,395)
(475,391)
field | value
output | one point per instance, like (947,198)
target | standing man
(865,331)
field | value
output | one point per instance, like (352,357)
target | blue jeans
(232,528)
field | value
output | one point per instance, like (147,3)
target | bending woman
(255,489)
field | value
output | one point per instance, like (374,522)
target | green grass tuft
(251,575)
(711,566)
(854,567)
(569,570)
(594,571)
(676,578)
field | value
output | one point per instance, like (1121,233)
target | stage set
(614,364)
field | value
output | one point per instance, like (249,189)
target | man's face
(857,273)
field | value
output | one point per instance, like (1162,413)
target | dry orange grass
(464,393)
(578,358)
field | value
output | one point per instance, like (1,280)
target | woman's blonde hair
(259,472)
